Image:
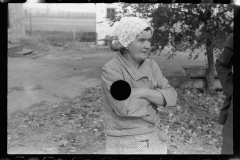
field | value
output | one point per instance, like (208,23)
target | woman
(224,66)
(131,125)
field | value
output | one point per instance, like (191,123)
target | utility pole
(47,10)
(30,22)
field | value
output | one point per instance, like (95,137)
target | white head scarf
(128,29)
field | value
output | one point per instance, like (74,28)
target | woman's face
(139,49)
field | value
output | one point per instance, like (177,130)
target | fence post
(74,34)
(30,21)
(87,37)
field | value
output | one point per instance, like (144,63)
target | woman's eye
(143,40)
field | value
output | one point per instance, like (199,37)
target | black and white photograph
(120,78)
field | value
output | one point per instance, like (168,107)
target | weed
(56,37)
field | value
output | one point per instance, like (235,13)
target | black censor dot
(120,90)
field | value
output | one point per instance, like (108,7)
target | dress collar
(136,74)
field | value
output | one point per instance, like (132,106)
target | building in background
(59,11)
(15,24)
(104,12)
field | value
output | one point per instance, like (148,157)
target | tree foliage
(186,27)
(200,25)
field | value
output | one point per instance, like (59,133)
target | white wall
(104,28)
(16,30)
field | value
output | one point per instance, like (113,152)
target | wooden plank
(12,48)
(189,66)
(39,55)
(197,71)
(24,52)
(199,83)
(200,76)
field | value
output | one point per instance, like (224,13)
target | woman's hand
(150,95)
(137,92)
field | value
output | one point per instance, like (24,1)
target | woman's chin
(145,56)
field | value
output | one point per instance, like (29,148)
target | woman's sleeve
(126,108)
(163,86)
(223,67)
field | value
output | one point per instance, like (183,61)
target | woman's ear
(152,29)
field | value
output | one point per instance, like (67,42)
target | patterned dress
(131,125)
(151,143)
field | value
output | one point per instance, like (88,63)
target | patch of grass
(34,43)
(55,37)
(60,24)
(51,37)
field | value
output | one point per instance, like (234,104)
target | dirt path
(51,78)
(38,84)
(47,81)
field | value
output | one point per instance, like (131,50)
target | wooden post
(87,39)
(96,38)
(8,18)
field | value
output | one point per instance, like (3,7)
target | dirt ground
(60,75)
(49,79)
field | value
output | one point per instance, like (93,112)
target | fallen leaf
(63,143)
(194,134)
(190,141)
(54,106)
(174,145)
(199,149)
(48,149)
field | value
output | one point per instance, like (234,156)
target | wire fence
(54,37)
(61,29)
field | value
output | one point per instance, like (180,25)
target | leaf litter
(76,125)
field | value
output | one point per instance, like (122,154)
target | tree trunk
(210,68)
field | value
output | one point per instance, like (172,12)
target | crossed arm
(135,106)
(153,96)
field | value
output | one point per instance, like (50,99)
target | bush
(88,37)
(52,37)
